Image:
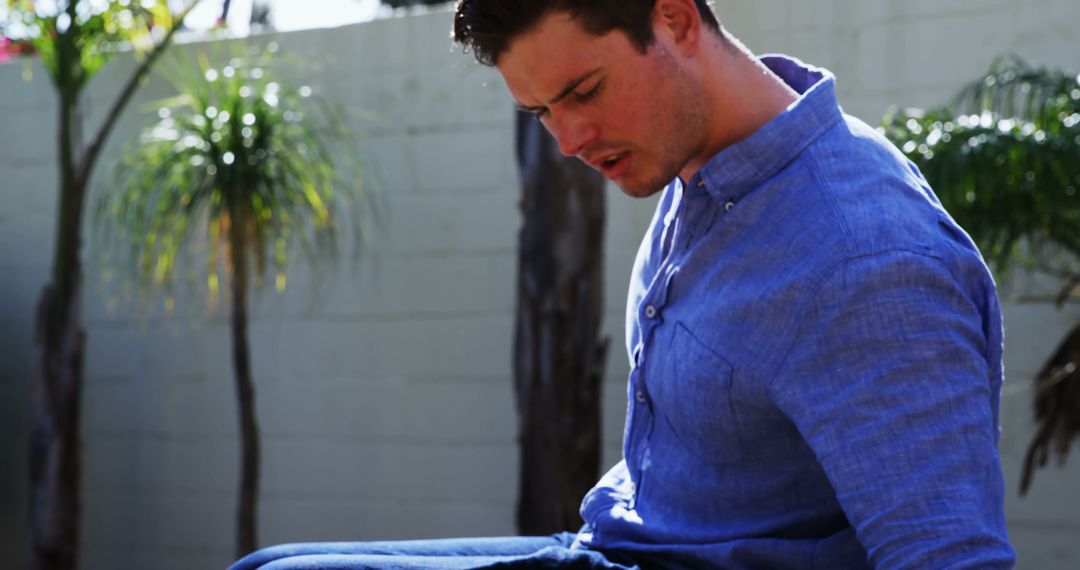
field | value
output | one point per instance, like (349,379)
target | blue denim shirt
(815,352)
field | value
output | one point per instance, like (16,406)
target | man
(815,346)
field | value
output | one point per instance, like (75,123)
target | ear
(680,22)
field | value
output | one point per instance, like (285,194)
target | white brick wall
(384,389)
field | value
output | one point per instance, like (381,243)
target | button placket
(637,418)
(673,240)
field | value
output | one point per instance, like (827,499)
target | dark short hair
(486,27)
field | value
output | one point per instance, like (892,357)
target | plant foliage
(234,135)
(103,29)
(1003,160)
(74,39)
(250,168)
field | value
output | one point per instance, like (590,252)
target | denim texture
(816,363)
(521,553)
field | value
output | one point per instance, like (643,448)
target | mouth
(613,165)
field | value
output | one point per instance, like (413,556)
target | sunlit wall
(384,388)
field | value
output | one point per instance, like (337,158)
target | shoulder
(852,209)
(878,199)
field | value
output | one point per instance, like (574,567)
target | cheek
(649,106)
(633,117)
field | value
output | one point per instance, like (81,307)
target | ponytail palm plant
(242,172)
(75,40)
(1004,158)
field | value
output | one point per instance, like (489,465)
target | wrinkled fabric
(816,363)
(520,553)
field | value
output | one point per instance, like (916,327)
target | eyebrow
(567,90)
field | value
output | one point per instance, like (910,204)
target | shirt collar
(745,165)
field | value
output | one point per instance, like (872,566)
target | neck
(744,94)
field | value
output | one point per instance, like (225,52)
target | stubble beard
(681,125)
(651,185)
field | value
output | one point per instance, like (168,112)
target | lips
(611,166)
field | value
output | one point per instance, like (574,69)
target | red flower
(9,48)
(6,52)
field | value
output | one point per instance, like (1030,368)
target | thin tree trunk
(56,388)
(54,442)
(59,340)
(559,355)
(246,510)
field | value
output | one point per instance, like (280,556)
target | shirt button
(701,183)
(730,204)
(639,396)
(650,312)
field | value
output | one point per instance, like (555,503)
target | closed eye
(588,95)
(577,97)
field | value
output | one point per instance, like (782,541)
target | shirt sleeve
(889,382)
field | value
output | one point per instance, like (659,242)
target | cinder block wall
(385,395)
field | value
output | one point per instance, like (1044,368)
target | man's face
(633,116)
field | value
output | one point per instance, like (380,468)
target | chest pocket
(692,398)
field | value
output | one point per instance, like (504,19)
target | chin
(640,190)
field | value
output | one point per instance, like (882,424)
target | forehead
(538,62)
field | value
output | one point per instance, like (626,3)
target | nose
(573,133)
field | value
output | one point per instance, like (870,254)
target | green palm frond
(1015,89)
(1002,159)
(234,142)
(99,30)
